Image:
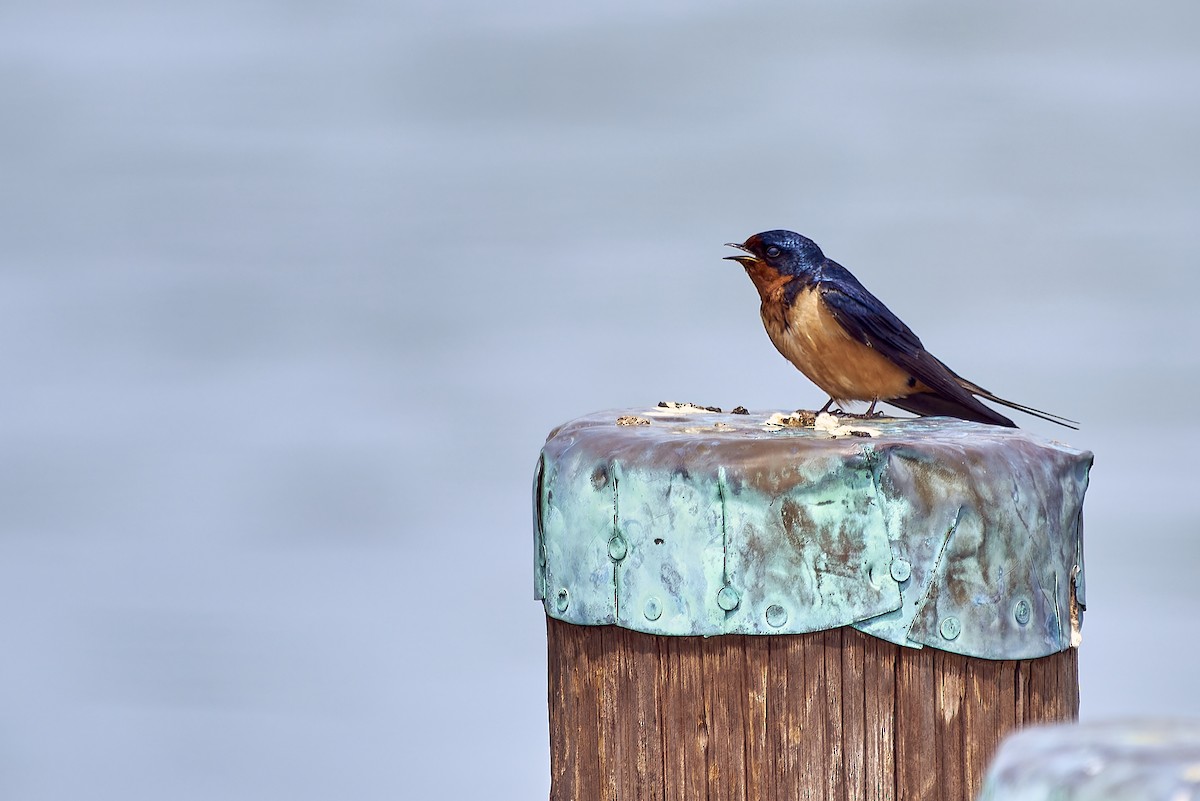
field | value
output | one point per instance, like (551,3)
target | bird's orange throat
(769,281)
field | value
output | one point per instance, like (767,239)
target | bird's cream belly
(811,339)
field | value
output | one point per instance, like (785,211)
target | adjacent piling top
(924,532)
(1141,760)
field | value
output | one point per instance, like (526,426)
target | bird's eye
(772,251)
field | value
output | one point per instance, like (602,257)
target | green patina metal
(922,532)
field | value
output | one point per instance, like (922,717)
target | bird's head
(785,252)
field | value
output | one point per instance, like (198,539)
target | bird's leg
(871,408)
(828,404)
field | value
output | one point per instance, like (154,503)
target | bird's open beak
(750,258)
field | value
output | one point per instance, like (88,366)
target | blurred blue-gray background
(292,292)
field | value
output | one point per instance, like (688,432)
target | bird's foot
(870,413)
(865,415)
(829,408)
(836,411)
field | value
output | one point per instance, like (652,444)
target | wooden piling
(827,716)
(744,610)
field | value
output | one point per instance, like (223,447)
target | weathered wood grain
(813,761)
(949,674)
(916,733)
(854,716)
(879,692)
(759,717)
(829,716)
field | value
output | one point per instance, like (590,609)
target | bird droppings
(677,406)
(834,427)
(630,420)
(797,419)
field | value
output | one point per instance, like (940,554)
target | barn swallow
(848,343)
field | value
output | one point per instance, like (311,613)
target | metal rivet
(950,627)
(901,569)
(600,477)
(728,599)
(653,609)
(617,548)
(562,600)
(1021,611)
(776,615)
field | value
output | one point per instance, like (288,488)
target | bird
(839,335)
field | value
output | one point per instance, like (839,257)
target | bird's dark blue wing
(864,317)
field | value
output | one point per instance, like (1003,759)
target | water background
(291,293)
